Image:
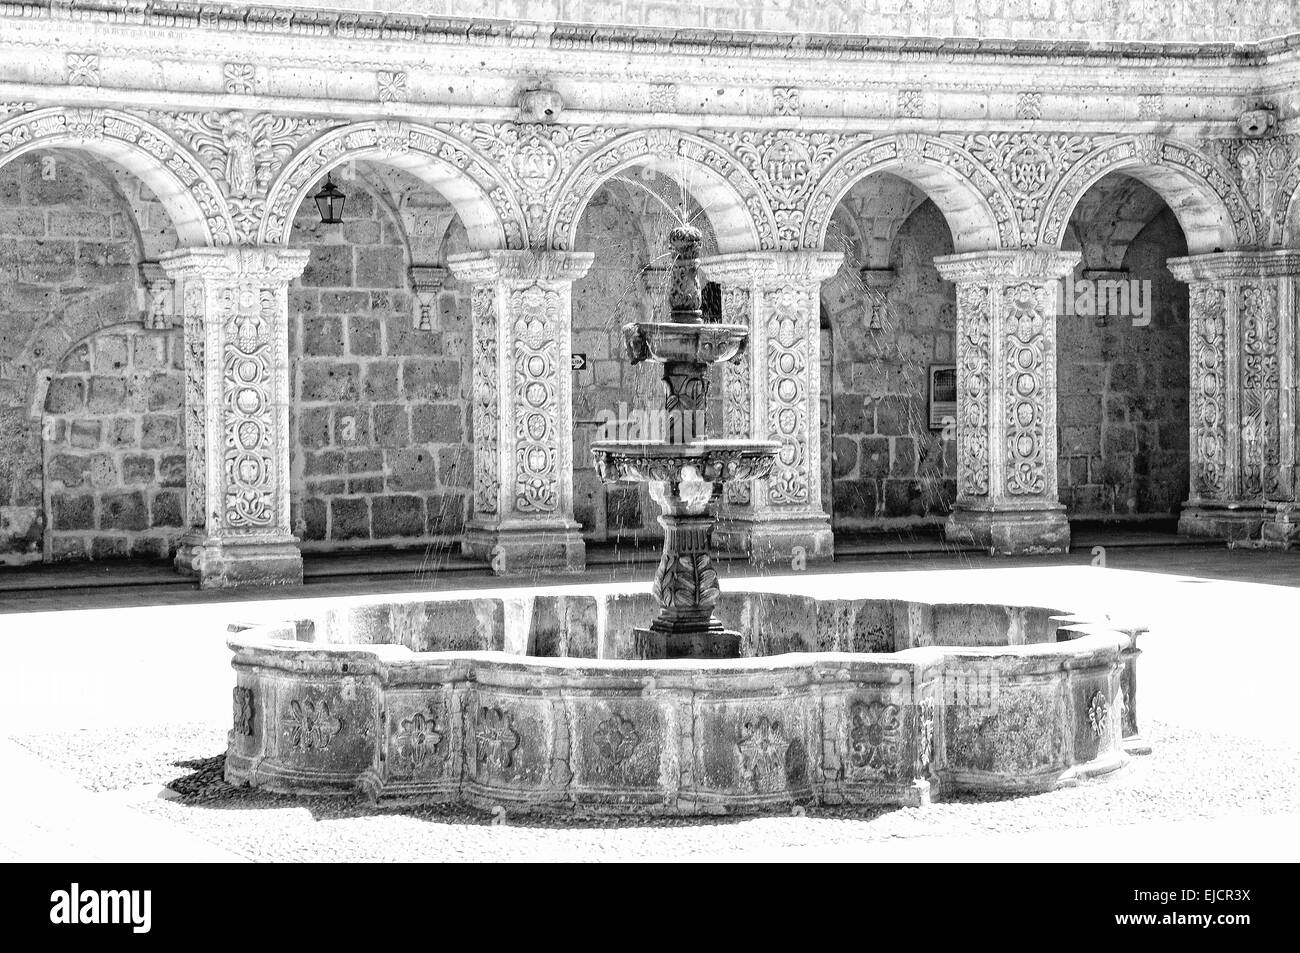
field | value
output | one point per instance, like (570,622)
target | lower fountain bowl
(531,703)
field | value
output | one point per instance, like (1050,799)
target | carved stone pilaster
(1243,309)
(523,412)
(234,303)
(774,393)
(1006,399)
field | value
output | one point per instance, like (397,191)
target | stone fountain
(555,699)
(687,471)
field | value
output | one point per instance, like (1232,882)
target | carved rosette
(875,739)
(248,315)
(1242,311)
(237,387)
(1027,344)
(522,382)
(1006,366)
(535,314)
(775,393)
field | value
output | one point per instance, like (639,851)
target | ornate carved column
(234,303)
(774,393)
(523,411)
(1243,310)
(1006,399)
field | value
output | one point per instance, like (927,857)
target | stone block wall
(1122,404)
(381,439)
(888,468)
(114,446)
(73,231)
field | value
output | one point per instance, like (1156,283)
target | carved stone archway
(975,204)
(733,201)
(1211,209)
(182,184)
(468,180)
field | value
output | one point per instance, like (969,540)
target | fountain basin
(702,461)
(528,702)
(668,342)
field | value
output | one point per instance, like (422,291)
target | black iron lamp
(329,202)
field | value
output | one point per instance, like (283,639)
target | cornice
(228,19)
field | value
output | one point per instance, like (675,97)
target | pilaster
(1006,399)
(774,393)
(234,303)
(523,409)
(1243,377)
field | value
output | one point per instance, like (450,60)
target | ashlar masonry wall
(90,422)
(381,438)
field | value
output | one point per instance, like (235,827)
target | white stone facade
(232,116)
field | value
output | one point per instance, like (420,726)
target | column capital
(1041,264)
(269,263)
(498,263)
(771,267)
(1220,265)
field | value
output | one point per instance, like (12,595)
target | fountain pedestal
(686,584)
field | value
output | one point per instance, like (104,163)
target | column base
(517,550)
(231,563)
(1283,531)
(712,644)
(1011,532)
(1223,520)
(767,541)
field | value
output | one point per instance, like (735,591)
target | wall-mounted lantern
(876,283)
(329,202)
(426,281)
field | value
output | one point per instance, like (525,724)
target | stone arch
(976,206)
(1212,211)
(728,194)
(468,180)
(179,180)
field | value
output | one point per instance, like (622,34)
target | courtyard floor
(115,702)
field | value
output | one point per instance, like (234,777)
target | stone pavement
(122,764)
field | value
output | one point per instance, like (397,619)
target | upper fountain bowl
(669,342)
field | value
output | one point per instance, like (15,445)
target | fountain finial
(684,298)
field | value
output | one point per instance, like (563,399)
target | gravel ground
(1191,775)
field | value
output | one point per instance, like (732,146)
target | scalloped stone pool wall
(528,703)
